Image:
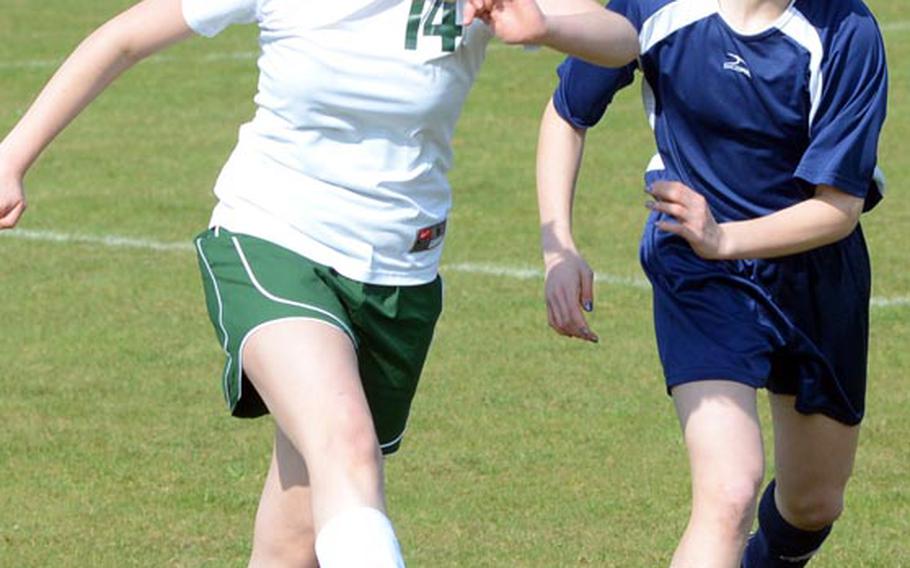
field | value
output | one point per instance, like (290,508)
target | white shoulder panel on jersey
(804,33)
(672,18)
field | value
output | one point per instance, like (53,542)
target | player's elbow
(846,210)
(110,43)
(851,216)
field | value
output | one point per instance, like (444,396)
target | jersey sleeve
(586,90)
(843,138)
(210,17)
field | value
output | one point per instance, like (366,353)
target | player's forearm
(826,218)
(599,36)
(559,151)
(99,59)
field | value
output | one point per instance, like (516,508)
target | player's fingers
(686,195)
(469,12)
(552,320)
(566,307)
(10,218)
(580,328)
(587,290)
(677,229)
(475,9)
(577,325)
(557,320)
(560,313)
(676,210)
(665,191)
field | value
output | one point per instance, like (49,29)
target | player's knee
(813,510)
(734,500)
(352,441)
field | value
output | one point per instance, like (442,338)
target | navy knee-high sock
(777,543)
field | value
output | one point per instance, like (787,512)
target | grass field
(524,449)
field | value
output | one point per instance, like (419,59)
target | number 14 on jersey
(447,28)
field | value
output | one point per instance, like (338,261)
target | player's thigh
(813,453)
(250,285)
(306,371)
(722,433)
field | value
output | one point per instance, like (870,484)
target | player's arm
(570,281)
(827,217)
(582,28)
(140,31)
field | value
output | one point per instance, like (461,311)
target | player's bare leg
(723,437)
(307,374)
(813,457)
(284,534)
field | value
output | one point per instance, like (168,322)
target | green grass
(524,449)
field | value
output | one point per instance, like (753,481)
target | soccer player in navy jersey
(766,115)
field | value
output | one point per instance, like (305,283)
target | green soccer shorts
(250,282)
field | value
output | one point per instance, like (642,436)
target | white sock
(358,538)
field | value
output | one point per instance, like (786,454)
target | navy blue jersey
(753,122)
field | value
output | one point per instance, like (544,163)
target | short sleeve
(843,139)
(210,17)
(586,90)
(630,9)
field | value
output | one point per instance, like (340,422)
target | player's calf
(780,544)
(285,549)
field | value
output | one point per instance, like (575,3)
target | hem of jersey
(698,374)
(415,277)
(852,186)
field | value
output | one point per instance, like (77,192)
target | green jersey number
(448,29)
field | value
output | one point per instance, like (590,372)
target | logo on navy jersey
(429,237)
(738,64)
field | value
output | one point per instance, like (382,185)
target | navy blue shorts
(795,325)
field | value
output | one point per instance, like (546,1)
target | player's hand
(512,21)
(12,199)
(474,9)
(694,220)
(569,290)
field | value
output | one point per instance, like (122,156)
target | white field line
(164,58)
(536,274)
(114,241)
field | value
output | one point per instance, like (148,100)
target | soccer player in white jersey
(766,115)
(320,267)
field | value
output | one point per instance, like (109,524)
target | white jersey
(345,161)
